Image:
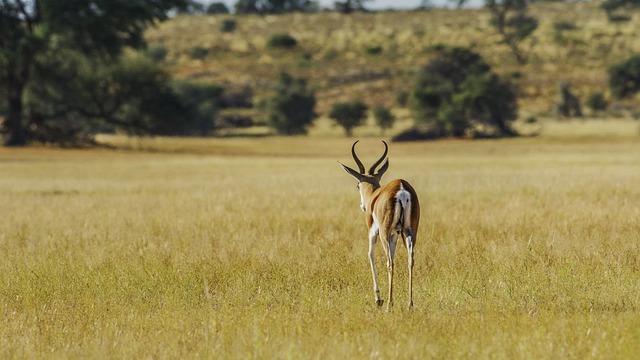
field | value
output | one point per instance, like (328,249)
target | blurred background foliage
(186,68)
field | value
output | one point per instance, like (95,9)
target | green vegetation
(384,117)
(349,115)
(273,6)
(157,54)
(228,25)
(282,41)
(373,49)
(71,97)
(201,104)
(217,8)
(512,21)
(619,10)
(457,94)
(597,102)
(291,108)
(198,53)
(624,78)
(569,104)
(38,36)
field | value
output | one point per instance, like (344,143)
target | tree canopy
(274,6)
(624,78)
(292,109)
(34,31)
(349,115)
(511,20)
(457,93)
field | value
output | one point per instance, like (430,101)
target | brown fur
(379,204)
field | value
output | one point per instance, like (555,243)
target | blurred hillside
(374,56)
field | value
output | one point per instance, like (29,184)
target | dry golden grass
(256,248)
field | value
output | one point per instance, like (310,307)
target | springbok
(390,210)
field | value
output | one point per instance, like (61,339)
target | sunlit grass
(256,248)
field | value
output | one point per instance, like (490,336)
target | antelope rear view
(391,211)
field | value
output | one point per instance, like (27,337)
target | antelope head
(370,181)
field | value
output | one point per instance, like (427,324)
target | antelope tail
(403,210)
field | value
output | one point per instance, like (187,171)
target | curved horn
(372,169)
(355,157)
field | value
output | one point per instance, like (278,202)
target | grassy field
(256,248)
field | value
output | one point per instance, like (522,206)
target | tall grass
(236,248)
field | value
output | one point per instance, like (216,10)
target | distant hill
(374,56)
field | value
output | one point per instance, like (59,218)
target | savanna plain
(256,248)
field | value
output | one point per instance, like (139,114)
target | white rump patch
(402,216)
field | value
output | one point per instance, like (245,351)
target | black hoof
(379,302)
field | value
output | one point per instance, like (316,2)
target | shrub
(384,118)
(564,26)
(240,97)
(417,134)
(202,102)
(234,121)
(373,50)
(624,78)
(217,8)
(597,102)
(569,104)
(291,109)
(559,28)
(457,93)
(510,19)
(349,115)
(228,25)
(402,98)
(74,97)
(198,53)
(618,10)
(157,53)
(282,41)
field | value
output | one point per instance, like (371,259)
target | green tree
(384,117)
(282,41)
(624,78)
(349,115)
(292,109)
(274,6)
(512,22)
(203,102)
(597,102)
(618,10)
(568,104)
(217,8)
(456,93)
(349,6)
(71,97)
(31,28)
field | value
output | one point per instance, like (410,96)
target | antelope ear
(383,169)
(351,172)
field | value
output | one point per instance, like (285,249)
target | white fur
(403,198)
